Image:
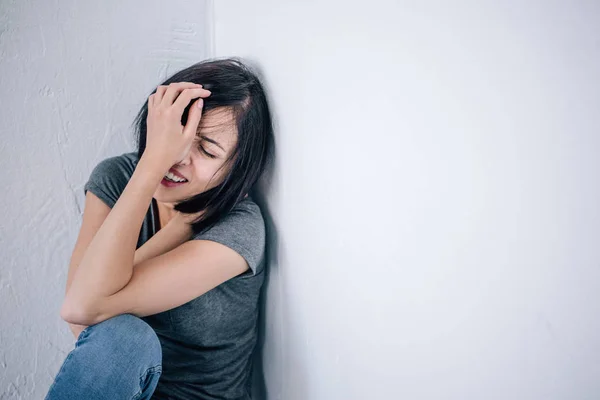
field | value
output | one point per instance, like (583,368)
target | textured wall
(436,199)
(72,76)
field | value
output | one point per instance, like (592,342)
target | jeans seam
(82,335)
(150,371)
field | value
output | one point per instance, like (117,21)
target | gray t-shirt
(207,343)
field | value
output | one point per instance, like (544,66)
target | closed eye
(206,152)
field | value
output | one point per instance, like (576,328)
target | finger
(158,95)
(173,91)
(186,96)
(194,117)
(151,101)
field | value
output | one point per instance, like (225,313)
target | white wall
(72,77)
(436,197)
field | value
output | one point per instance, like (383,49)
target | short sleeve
(109,178)
(242,230)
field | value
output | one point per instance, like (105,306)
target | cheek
(208,174)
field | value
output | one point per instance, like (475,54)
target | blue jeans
(119,358)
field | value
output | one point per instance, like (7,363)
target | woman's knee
(118,358)
(125,335)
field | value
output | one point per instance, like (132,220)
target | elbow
(76,314)
(69,314)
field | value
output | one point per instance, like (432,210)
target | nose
(185,160)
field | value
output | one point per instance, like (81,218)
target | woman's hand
(181,224)
(187,219)
(167,141)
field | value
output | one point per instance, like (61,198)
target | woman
(163,287)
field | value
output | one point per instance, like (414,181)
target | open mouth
(171,180)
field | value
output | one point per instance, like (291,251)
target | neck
(165,212)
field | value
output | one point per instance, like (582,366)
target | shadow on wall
(259,391)
(261,193)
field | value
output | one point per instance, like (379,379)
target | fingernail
(199,103)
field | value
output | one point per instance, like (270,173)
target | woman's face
(204,166)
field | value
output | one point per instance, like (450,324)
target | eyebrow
(213,142)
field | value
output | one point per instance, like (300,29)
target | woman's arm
(107,265)
(95,212)
(175,233)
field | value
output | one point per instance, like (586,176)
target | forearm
(162,242)
(107,265)
(165,240)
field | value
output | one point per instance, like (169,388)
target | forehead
(219,124)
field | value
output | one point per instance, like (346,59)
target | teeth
(174,178)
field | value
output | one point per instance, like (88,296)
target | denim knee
(126,336)
(119,358)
